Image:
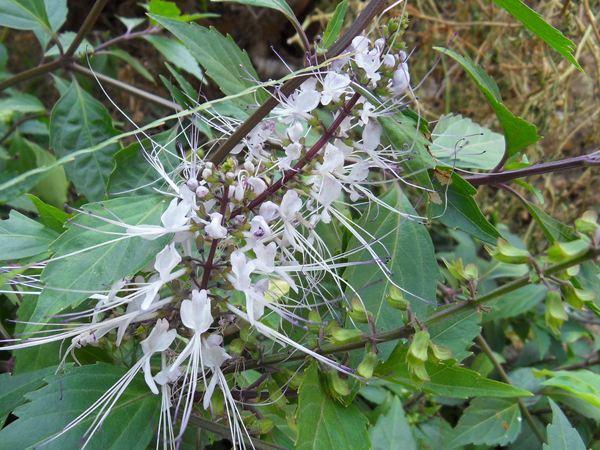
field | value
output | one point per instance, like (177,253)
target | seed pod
(507,253)
(367,366)
(358,311)
(345,335)
(577,298)
(561,251)
(555,313)
(396,299)
(419,345)
(587,223)
(440,352)
(338,386)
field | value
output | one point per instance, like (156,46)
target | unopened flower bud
(192,183)
(367,366)
(201,191)
(206,173)
(397,300)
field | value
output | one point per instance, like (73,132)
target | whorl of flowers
(243,251)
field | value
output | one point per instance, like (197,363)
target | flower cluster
(243,247)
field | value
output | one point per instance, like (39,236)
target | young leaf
(542,29)
(323,423)
(412,262)
(460,142)
(14,387)
(488,421)
(67,395)
(228,66)
(446,379)
(68,279)
(22,237)
(79,121)
(177,54)
(518,132)
(392,431)
(561,434)
(583,384)
(50,216)
(334,26)
(132,61)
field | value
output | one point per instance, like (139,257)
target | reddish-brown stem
(592,159)
(307,158)
(127,37)
(209,265)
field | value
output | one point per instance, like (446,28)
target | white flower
(368,60)
(159,339)
(240,271)
(290,206)
(295,132)
(166,260)
(298,105)
(196,313)
(214,229)
(214,356)
(401,77)
(334,85)
(371,137)
(257,184)
(174,219)
(265,257)
(292,153)
(259,228)
(269,211)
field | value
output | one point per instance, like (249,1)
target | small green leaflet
(488,421)
(518,132)
(115,257)
(79,121)
(22,237)
(542,29)
(334,26)
(392,431)
(324,424)
(50,216)
(561,434)
(446,379)
(224,62)
(129,426)
(460,142)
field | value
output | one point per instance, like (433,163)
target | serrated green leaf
(518,132)
(79,121)
(334,26)
(392,431)
(177,54)
(132,61)
(583,384)
(14,387)
(412,262)
(68,279)
(515,303)
(542,29)
(26,15)
(227,65)
(432,434)
(22,237)
(66,39)
(456,332)
(133,175)
(458,141)
(323,423)
(560,433)
(488,421)
(50,409)
(446,379)
(553,230)
(278,5)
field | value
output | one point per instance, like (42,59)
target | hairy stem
(502,373)
(591,159)
(406,331)
(362,21)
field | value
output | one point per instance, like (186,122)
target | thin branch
(127,37)
(145,95)
(502,373)
(406,331)
(362,21)
(31,73)
(592,159)
(86,27)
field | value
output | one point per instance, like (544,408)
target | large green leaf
(392,431)
(130,425)
(43,17)
(334,26)
(515,303)
(67,279)
(224,62)
(561,434)
(582,384)
(460,142)
(412,262)
(538,26)
(278,5)
(79,121)
(323,423)
(22,237)
(457,332)
(133,174)
(518,132)
(553,229)
(489,421)
(21,103)
(446,379)
(176,53)
(14,387)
